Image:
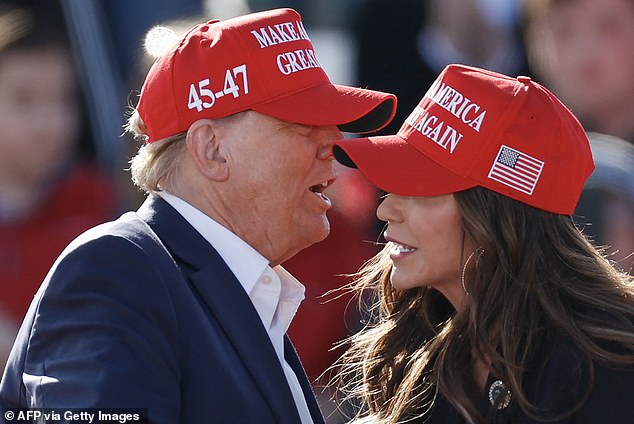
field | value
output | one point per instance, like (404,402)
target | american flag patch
(516,170)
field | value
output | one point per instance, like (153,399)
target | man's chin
(324,230)
(316,234)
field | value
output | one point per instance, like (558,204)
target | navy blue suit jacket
(143,313)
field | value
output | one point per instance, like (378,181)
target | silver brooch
(499,395)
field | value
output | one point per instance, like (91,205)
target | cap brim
(352,109)
(394,166)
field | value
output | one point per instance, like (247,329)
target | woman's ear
(204,148)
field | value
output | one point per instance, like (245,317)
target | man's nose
(327,137)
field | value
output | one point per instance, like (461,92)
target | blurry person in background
(423,36)
(583,50)
(49,193)
(607,200)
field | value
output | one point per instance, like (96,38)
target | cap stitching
(266,96)
(176,51)
(249,56)
(509,112)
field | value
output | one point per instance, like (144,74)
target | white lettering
(434,133)
(262,37)
(275,37)
(284,32)
(302,59)
(438,96)
(422,123)
(449,93)
(414,116)
(430,120)
(468,109)
(457,104)
(283,65)
(79,416)
(477,122)
(314,63)
(432,90)
(464,104)
(284,36)
(431,127)
(302,30)
(452,141)
(295,61)
(292,60)
(201,96)
(291,30)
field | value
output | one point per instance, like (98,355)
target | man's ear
(204,148)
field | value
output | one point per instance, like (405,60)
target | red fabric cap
(262,61)
(479,128)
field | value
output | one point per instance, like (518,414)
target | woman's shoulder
(564,359)
(565,378)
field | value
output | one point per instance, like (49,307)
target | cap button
(524,79)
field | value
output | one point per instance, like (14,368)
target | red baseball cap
(475,127)
(261,61)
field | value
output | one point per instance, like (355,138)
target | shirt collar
(232,249)
(247,264)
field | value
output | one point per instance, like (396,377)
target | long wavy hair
(535,277)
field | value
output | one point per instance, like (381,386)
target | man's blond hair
(156,165)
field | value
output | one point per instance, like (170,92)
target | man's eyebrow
(300,128)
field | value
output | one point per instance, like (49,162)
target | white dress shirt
(274,292)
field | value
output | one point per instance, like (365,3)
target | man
(182,307)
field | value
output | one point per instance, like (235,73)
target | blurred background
(71,70)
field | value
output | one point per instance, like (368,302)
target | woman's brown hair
(534,278)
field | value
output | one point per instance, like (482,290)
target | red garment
(29,246)
(323,321)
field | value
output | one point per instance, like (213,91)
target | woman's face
(427,242)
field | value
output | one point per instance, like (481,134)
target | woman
(491,305)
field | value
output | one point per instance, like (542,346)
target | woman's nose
(388,210)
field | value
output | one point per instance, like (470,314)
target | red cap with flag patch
(262,61)
(474,128)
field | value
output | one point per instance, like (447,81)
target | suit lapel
(290,354)
(227,302)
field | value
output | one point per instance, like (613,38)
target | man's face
(277,174)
